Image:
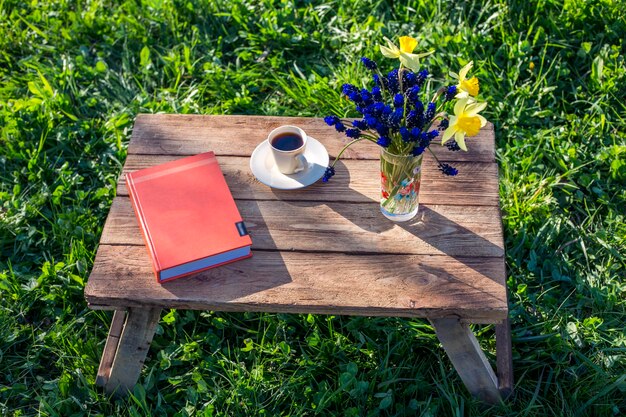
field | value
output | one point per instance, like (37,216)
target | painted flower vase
(400,177)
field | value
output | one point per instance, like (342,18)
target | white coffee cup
(288,144)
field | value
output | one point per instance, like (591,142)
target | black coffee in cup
(287,141)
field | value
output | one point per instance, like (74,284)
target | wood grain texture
(176,134)
(292,282)
(132,349)
(355,181)
(342,227)
(468,359)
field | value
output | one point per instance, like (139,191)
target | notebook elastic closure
(241,228)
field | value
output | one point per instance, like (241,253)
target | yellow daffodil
(405,52)
(466,121)
(465,87)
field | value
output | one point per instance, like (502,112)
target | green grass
(73,75)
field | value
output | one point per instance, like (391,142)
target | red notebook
(188,216)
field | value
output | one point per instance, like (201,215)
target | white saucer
(265,170)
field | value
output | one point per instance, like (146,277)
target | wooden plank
(342,227)
(291,282)
(468,358)
(504,358)
(110,348)
(177,134)
(132,349)
(355,181)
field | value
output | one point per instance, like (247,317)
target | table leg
(126,348)
(117,324)
(468,358)
(504,357)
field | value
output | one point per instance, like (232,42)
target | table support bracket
(126,348)
(470,362)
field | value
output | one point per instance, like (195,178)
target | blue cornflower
(421,77)
(447,169)
(450,92)
(346,89)
(427,137)
(418,150)
(398,100)
(382,129)
(392,83)
(413,94)
(355,97)
(353,133)
(430,112)
(418,120)
(366,97)
(414,119)
(409,79)
(383,141)
(328,174)
(406,134)
(376,94)
(360,124)
(452,145)
(419,107)
(371,121)
(395,118)
(369,64)
(339,127)
(331,120)
(377,109)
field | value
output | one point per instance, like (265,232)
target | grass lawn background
(73,75)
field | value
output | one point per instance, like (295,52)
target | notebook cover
(186,212)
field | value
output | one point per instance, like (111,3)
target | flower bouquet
(395,117)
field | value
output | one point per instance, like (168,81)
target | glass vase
(400,177)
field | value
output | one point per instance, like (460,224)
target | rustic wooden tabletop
(325,248)
(322,249)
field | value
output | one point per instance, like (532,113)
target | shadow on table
(431,227)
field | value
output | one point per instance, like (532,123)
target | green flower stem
(434,156)
(347,146)
(438,94)
(397,172)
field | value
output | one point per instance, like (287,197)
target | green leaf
(386,402)
(46,85)
(170,317)
(352,368)
(145,57)
(597,69)
(249,345)
(101,66)
(32,87)
(346,380)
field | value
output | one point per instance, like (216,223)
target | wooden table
(324,249)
